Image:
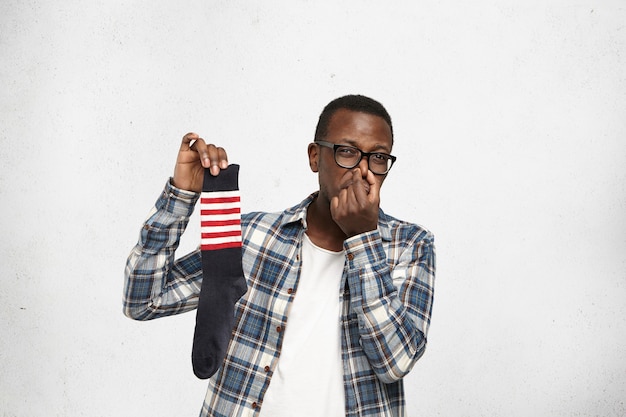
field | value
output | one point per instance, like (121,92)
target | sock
(223,282)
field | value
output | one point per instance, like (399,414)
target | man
(339,293)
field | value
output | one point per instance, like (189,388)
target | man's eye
(347,151)
(379,158)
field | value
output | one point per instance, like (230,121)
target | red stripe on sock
(211,223)
(220,246)
(209,200)
(212,235)
(208,212)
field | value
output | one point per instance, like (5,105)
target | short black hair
(353,102)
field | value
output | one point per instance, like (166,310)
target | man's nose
(364,166)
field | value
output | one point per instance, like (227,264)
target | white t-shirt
(308,379)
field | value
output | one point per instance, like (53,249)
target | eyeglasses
(349,157)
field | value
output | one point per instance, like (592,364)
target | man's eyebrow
(377,148)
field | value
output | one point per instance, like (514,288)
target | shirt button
(290,291)
(254,405)
(267,369)
(350,256)
(279,329)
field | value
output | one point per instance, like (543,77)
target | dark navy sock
(223,283)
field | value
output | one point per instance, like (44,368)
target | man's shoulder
(294,214)
(392,228)
(255,217)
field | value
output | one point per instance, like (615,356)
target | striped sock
(223,282)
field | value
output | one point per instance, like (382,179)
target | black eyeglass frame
(335,146)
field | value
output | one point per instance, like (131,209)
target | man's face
(364,131)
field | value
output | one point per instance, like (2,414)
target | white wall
(510,132)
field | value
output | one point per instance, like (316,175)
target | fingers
(355,207)
(359,192)
(199,146)
(217,159)
(362,192)
(374,186)
(211,156)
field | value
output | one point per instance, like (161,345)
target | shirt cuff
(176,200)
(364,248)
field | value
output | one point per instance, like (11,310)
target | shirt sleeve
(392,300)
(157,285)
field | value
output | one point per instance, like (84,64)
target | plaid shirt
(387,295)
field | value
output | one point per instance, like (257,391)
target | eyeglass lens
(349,157)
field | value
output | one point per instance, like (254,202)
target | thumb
(334,205)
(188,140)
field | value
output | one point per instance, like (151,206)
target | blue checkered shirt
(387,295)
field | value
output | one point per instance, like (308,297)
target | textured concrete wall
(510,137)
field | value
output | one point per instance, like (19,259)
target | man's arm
(393,306)
(157,285)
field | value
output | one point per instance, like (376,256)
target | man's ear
(313,156)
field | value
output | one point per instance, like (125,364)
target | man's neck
(321,228)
